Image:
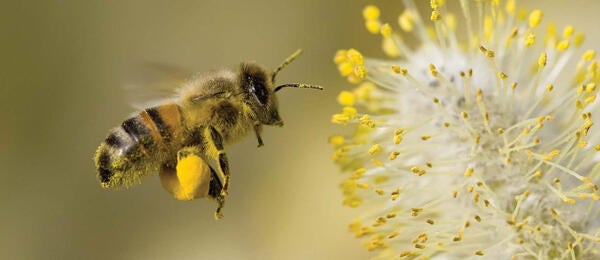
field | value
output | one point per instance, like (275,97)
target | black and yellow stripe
(136,141)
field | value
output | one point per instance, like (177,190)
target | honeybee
(184,138)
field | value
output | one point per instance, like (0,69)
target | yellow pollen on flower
(355,57)
(542,59)
(568,31)
(360,72)
(590,99)
(415,211)
(373,26)
(579,38)
(350,112)
(535,18)
(589,55)
(562,45)
(425,137)
(340,119)
(529,39)
(406,21)
(551,155)
(469,172)
(346,98)
(375,149)
(501,75)
(479,253)
(435,15)
(386,30)
(394,155)
(336,140)
(345,68)
(371,12)
(398,70)
(511,7)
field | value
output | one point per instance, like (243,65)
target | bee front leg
(257,131)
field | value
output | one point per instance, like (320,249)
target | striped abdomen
(140,146)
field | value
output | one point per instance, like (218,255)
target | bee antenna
(297,85)
(285,63)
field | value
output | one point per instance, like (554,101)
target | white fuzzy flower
(477,142)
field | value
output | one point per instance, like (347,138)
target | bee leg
(221,158)
(257,130)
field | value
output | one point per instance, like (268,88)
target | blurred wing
(153,83)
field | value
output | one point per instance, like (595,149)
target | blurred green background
(62,69)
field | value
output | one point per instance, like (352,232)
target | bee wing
(154,82)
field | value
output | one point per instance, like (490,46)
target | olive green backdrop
(62,69)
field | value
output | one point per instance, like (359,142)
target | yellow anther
(336,140)
(511,7)
(345,68)
(394,155)
(351,112)
(535,18)
(454,193)
(393,234)
(430,221)
(397,139)
(386,30)
(434,4)
(362,185)
(415,211)
(371,12)
(341,119)
(375,149)
(373,26)
(469,172)
(355,57)
(340,56)
(590,99)
(366,120)
(398,70)
(589,55)
(406,21)
(477,218)
(551,155)
(501,75)
(549,88)
(478,252)
(425,137)
(360,72)
(389,47)
(346,98)
(433,70)
(568,31)
(562,45)
(529,39)
(578,40)
(464,115)
(379,192)
(435,15)
(542,59)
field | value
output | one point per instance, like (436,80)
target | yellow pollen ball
(340,56)
(543,59)
(373,26)
(345,68)
(589,55)
(375,149)
(406,22)
(360,72)
(562,45)
(568,31)
(386,30)
(435,15)
(351,112)
(336,140)
(529,39)
(535,18)
(371,12)
(355,57)
(346,98)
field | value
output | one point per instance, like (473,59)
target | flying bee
(184,138)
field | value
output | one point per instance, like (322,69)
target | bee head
(261,90)
(260,94)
